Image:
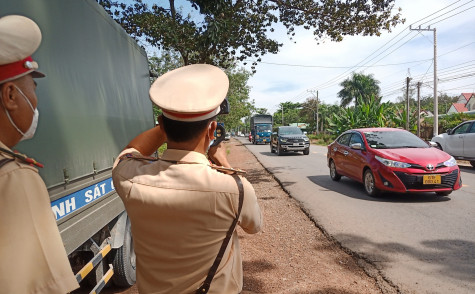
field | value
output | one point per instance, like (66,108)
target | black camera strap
(207,283)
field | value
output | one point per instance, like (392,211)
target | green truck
(93,101)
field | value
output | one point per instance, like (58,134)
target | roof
(362,130)
(460,107)
(468,95)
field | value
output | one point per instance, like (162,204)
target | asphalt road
(420,242)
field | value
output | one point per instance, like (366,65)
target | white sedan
(459,141)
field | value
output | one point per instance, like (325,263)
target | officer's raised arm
(149,141)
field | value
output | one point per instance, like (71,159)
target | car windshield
(264,128)
(290,131)
(393,139)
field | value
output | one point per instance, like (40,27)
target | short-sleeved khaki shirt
(33,258)
(180,213)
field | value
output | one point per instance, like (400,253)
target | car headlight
(305,139)
(392,163)
(450,162)
(283,140)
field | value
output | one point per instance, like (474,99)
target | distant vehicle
(227,136)
(261,128)
(459,141)
(393,160)
(250,137)
(288,138)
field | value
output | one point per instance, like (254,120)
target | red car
(393,160)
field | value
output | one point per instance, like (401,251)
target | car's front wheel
(306,151)
(280,151)
(369,184)
(333,173)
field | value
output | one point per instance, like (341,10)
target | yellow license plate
(431,179)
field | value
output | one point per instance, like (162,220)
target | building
(466,102)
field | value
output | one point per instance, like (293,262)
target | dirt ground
(291,254)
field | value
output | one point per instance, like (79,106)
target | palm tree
(359,88)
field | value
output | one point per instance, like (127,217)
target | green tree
(238,93)
(366,114)
(226,31)
(444,102)
(360,88)
(262,111)
(289,112)
(240,105)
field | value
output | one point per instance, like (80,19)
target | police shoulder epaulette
(137,157)
(228,170)
(22,157)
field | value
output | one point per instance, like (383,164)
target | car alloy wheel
(279,150)
(333,174)
(369,184)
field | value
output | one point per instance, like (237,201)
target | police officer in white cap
(33,258)
(181,207)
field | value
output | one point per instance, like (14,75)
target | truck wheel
(306,151)
(124,261)
(279,150)
(271,148)
(472,163)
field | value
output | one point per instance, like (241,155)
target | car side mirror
(356,146)
(449,131)
(432,144)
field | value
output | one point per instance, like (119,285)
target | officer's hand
(217,154)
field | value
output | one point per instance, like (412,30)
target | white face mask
(31,131)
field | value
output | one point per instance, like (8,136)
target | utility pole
(436,100)
(419,109)
(408,79)
(282,105)
(313,92)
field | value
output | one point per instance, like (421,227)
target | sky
(302,67)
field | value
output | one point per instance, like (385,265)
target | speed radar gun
(220,130)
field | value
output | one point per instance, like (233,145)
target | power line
(331,82)
(325,66)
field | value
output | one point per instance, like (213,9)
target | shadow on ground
(354,189)
(453,257)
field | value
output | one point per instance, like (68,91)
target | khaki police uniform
(180,207)
(180,213)
(32,256)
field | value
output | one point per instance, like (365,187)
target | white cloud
(273,84)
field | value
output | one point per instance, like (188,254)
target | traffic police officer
(181,206)
(33,258)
